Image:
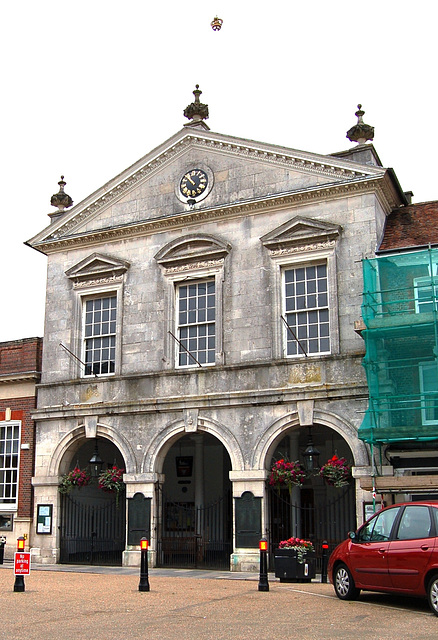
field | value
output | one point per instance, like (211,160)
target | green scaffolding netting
(400,312)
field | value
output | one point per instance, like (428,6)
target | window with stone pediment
(194,269)
(303,254)
(98,286)
(9,461)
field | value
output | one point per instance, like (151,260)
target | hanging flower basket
(76,478)
(111,481)
(336,472)
(287,474)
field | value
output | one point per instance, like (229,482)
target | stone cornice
(379,185)
(24,376)
(113,191)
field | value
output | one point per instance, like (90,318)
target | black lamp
(96,462)
(310,455)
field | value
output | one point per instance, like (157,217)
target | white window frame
(194,358)
(430,283)
(174,281)
(305,259)
(12,506)
(422,368)
(293,334)
(110,335)
(88,293)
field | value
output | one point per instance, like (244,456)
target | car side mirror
(352,535)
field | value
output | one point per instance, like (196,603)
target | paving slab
(103,604)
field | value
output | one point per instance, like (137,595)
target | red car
(395,551)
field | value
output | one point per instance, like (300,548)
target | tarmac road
(83,605)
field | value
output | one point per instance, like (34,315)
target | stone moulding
(146,167)
(147,227)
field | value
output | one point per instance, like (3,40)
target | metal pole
(263,578)
(144,576)
(324,561)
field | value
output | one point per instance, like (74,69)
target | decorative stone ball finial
(361,132)
(196,111)
(216,24)
(61,199)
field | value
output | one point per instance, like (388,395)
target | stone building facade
(20,370)
(199,325)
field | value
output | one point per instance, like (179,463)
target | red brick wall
(21,356)
(21,409)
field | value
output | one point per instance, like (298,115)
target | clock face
(193,183)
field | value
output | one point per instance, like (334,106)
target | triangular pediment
(97,266)
(300,231)
(242,175)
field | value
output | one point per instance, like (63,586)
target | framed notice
(370,508)
(44,518)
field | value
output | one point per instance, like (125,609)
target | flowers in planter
(336,471)
(302,547)
(111,480)
(76,478)
(287,474)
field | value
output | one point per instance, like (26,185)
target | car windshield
(378,529)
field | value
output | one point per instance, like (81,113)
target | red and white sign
(22,563)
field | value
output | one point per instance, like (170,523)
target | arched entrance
(315,511)
(194,504)
(92,529)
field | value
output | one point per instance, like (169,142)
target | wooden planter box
(288,569)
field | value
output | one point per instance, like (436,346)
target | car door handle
(425,547)
(382,550)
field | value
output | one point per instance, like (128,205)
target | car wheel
(344,585)
(432,594)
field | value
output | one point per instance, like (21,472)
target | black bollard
(324,561)
(263,578)
(144,574)
(19,585)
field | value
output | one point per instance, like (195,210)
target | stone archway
(194,510)
(92,521)
(315,511)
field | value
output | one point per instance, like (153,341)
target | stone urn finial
(361,132)
(61,199)
(196,111)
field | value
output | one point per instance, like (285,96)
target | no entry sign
(22,563)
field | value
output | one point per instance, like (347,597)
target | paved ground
(72,603)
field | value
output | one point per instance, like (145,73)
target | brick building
(20,370)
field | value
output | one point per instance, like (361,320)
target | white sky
(88,87)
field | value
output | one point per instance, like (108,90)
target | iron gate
(194,536)
(92,529)
(328,520)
